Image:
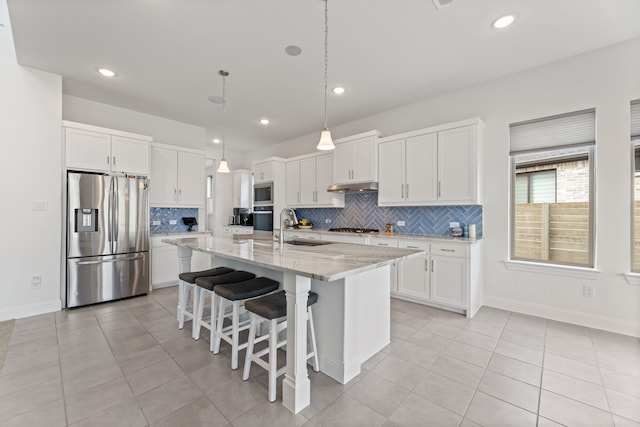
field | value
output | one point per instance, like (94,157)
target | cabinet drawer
(382,241)
(412,244)
(449,249)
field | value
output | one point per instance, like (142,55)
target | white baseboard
(338,371)
(30,310)
(564,315)
(164,285)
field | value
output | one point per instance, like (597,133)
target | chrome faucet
(295,222)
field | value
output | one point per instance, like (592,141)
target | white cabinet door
(457,165)
(293,183)
(342,163)
(263,172)
(364,160)
(87,150)
(191,179)
(164,172)
(391,172)
(449,281)
(413,277)
(242,195)
(129,155)
(324,176)
(308,181)
(164,265)
(421,155)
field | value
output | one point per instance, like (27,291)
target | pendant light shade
(326,143)
(224,167)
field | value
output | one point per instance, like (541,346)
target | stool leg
(197,319)
(194,304)
(235,334)
(312,333)
(219,323)
(213,322)
(273,358)
(252,339)
(180,304)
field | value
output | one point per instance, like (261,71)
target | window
(552,189)
(635,146)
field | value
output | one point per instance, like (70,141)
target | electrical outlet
(454,224)
(400,223)
(155,222)
(589,291)
(327,221)
(173,221)
(36,282)
(39,205)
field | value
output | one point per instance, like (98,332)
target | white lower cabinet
(413,274)
(237,229)
(165,264)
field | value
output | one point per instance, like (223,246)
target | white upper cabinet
(355,158)
(242,189)
(98,149)
(308,178)
(435,166)
(177,177)
(263,172)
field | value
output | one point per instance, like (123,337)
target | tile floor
(126,364)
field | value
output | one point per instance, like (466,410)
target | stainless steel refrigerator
(107,237)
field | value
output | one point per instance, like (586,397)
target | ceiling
(386,54)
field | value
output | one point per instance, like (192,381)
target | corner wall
(31,137)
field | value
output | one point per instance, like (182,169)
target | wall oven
(263,194)
(263,218)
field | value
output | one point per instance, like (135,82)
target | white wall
(606,79)
(30,133)
(162,130)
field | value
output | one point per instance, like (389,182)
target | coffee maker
(242,217)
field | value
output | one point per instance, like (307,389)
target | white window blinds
(565,130)
(635,119)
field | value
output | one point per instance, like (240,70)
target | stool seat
(274,306)
(221,279)
(191,276)
(247,289)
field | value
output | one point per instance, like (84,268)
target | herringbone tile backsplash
(362,210)
(164,215)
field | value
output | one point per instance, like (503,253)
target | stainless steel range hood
(358,187)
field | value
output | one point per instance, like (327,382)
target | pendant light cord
(224,74)
(326,61)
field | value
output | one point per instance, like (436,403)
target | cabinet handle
(180,195)
(407,191)
(412,247)
(175,194)
(402,191)
(108,160)
(432,269)
(426,265)
(383,244)
(447,250)
(439,187)
(114,161)
(298,197)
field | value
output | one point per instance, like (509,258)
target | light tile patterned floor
(126,364)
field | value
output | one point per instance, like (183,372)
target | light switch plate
(39,205)
(173,221)
(400,223)
(155,222)
(454,224)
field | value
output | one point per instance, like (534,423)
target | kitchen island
(352,315)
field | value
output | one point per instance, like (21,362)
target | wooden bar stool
(186,285)
(237,293)
(271,308)
(205,287)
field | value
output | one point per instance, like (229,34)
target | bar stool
(204,289)
(271,308)
(237,293)
(186,284)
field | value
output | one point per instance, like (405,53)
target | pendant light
(325,137)
(224,167)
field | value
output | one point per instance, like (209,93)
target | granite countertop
(326,262)
(395,235)
(174,233)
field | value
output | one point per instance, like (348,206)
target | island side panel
(352,320)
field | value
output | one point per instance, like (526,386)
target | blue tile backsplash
(164,215)
(362,210)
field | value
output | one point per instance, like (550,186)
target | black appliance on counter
(242,217)
(189,221)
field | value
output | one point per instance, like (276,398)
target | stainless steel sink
(301,242)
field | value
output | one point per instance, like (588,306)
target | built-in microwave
(263,194)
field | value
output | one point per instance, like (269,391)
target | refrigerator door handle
(132,258)
(116,208)
(109,216)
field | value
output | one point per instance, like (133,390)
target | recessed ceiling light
(264,121)
(503,21)
(216,141)
(215,99)
(293,50)
(105,72)
(338,90)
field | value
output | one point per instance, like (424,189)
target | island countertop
(326,262)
